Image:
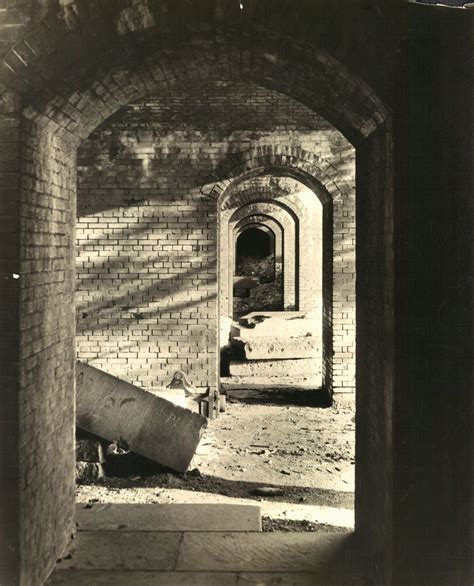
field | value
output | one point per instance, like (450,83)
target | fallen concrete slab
(277,324)
(280,368)
(151,426)
(271,348)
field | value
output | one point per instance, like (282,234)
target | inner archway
(257,274)
(254,242)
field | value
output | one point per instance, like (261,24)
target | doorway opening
(148,273)
(55,120)
(258,278)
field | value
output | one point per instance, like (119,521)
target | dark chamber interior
(254,243)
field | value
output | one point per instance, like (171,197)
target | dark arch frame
(58,112)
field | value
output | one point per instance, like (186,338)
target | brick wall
(10,339)
(146,234)
(47,329)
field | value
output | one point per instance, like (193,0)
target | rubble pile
(266,294)
(89,460)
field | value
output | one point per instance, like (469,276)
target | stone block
(154,578)
(277,324)
(289,368)
(281,348)
(151,426)
(127,550)
(264,552)
(168,517)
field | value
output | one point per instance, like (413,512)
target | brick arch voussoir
(265,219)
(65,58)
(316,172)
(291,208)
(262,194)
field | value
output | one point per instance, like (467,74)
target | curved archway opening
(255,242)
(257,280)
(304,211)
(61,115)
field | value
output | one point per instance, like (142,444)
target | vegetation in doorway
(268,295)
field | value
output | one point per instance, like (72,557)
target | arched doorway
(64,111)
(257,274)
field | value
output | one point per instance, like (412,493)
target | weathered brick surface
(46,349)
(147,239)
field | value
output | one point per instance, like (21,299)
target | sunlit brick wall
(147,234)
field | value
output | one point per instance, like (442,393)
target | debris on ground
(89,450)
(287,525)
(242,452)
(89,472)
(263,286)
(269,491)
(89,459)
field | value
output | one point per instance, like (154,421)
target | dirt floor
(282,450)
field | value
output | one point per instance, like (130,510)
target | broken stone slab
(152,426)
(277,324)
(272,348)
(300,384)
(88,450)
(88,472)
(289,368)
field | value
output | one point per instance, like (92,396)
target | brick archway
(288,222)
(74,79)
(281,262)
(247,177)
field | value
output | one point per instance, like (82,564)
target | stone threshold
(99,556)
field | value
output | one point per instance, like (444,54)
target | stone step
(277,325)
(325,554)
(280,368)
(168,517)
(156,578)
(262,383)
(271,348)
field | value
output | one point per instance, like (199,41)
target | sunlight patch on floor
(337,517)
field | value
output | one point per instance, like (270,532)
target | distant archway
(254,241)
(255,259)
